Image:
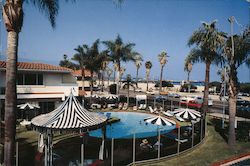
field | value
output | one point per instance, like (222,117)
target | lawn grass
(214,149)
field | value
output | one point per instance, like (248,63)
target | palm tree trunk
(102,80)
(83,76)
(161,78)
(108,80)
(91,87)
(232,112)
(114,76)
(189,85)
(233,91)
(128,94)
(118,78)
(10,99)
(206,89)
(147,75)
(137,72)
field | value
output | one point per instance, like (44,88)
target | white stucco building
(42,84)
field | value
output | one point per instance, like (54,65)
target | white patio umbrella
(160,121)
(187,113)
(111,97)
(96,96)
(27,106)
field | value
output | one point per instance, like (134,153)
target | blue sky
(153,25)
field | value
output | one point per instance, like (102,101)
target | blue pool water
(130,123)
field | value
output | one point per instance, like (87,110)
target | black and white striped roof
(70,115)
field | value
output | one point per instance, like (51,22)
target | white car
(199,100)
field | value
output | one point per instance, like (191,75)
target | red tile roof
(79,73)
(36,66)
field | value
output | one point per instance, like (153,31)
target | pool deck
(233,160)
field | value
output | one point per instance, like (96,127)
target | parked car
(174,97)
(160,98)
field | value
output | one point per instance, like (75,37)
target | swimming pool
(130,123)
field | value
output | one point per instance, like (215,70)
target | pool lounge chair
(135,108)
(173,136)
(125,106)
(167,113)
(120,106)
(144,106)
(140,107)
(152,110)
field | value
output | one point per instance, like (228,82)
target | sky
(153,25)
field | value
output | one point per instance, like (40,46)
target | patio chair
(140,107)
(135,108)
(125,106)
(152,110)
(144,106)
(167,113)
(120,106)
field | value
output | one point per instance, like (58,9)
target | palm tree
(115,70)
(79,57)
(236,53)
(122,71)
(188,67)
(163,60)
(13,19)
(104,63)
(148,66)
(120,52)
(208,41)
(138,63)
(109,72)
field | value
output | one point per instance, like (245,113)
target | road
(217,104)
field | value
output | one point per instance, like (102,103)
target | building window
(20,79)
(29,79)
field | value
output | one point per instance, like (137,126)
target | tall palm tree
(148,66)
(122,71)
(138,64)
(13,19)
(79,58)
(188,67)
(120,52)
(104,63)
(109,72)
(208,41)
(236,53)
(163,60)
(115,70)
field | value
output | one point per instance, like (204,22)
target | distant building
(87,83)
(41,84)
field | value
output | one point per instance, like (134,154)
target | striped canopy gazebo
(70,116)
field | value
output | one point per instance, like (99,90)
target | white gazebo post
(134,149)
(171,101)
(178,145)
(201,129)
(159,143)
(192,134)
(112,151)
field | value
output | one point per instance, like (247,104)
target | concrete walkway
(226,117)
